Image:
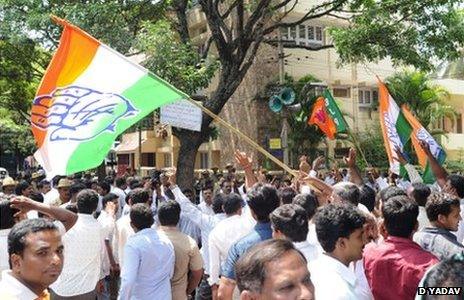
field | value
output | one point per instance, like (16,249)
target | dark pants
(203,290)
(87,296)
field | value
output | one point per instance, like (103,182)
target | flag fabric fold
(419,133)
(396,130)
(327,116)
(88,96)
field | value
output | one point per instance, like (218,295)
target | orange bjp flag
(322,119)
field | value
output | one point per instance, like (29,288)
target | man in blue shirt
(263,199)
(148,260)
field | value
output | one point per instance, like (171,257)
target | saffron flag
(322,119)
(88,96)
(395,128)
(327,116)
(419,133)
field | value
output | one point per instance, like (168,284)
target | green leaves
(178,63)
(408,32)
(426,100)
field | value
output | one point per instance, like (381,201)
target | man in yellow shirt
(188,268)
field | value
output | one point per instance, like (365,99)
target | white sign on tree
(182,114)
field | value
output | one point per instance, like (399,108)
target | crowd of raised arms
(245,234)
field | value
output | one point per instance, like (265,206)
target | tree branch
(339,17)
(313,13)
(213,21)
(230,9)
(206,50)
(274,42)
(284,3)
(180,7)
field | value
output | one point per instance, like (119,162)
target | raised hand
(171,175)
(350,160)
(304,166)
(23,204)
(400,158)
(243,159)
(318,162)
(425,146)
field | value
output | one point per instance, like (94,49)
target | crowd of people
(341,234)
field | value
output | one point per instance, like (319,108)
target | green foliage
(20,72)
(371,143)
(115,23)
(454,166)
(412,32)
(176,62)
(15,139)
(426,100)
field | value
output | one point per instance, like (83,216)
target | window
(459,123)
(204,160)
(302,34)
(310,33)
(123,159)
(318,33)
(292,35)
(167,160)
(341,92)
(284,33)
(148,159)
(367,97)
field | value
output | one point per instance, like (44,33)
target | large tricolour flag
(395,128)
(88,96)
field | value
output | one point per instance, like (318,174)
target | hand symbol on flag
(78,114)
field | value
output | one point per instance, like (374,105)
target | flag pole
(358,147)
(245,137)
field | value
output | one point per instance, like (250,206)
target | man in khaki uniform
(64,195)
(188,268)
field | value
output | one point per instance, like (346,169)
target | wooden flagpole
(244,137)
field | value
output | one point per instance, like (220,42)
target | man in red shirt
(395,267)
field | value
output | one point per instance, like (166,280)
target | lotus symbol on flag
(320,115)
(77,114)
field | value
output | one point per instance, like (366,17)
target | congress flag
(395,128)
(419,133)
(88,96)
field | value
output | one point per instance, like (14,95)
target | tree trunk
(190,141)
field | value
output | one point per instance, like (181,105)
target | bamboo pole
(244,137)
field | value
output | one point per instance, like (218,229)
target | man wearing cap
(8,186)
(63,191)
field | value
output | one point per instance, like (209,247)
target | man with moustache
(36,260)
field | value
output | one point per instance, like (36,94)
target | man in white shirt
(84,250)
(118,189)
(123,230)
(289,222)
(148,260)
(107,220)
(207,203)
(36,259)
(309,204)
(340,231)
(225,234)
